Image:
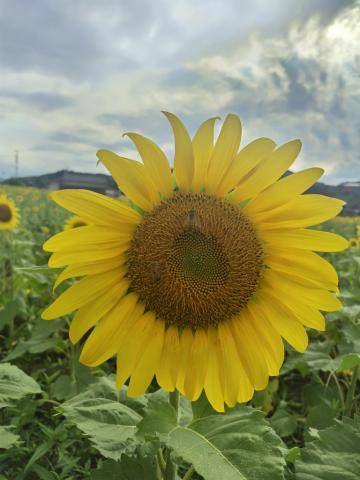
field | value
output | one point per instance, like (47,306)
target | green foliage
(238,445)
(15,384)
(60,420)
(333,455)
(111,425)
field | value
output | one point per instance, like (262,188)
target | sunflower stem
(189,473)
(174,399)
(351,392)
(9,280)
(171,469)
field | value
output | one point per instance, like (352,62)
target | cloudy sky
(76,75)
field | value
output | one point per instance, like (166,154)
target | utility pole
(16,163)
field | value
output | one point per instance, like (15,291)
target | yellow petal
(213,379)
(283,190)
(82,292)
(197,365)
(272,346)
(184,155)
(245,161)
(305,314)
(148,361)
(231,364)
(91,253)
(203,143)
(249,351)
(288,327)
(167,370)
(88,315)
(155,162)
(301,211)
(224,152)
(96,208)
(101,344)
(318,298)
(131,178)
(87,236)
(81,269)
(306,240)
(304,264)
(130,351)
(186,340)
(268,171)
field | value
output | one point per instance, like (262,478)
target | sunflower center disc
(5,213)
(195,260)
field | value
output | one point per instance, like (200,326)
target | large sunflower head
(9,215)
(199,277)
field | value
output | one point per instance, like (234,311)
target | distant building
(97,182)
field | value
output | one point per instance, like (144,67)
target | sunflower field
(60,420)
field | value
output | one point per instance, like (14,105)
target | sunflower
(9,215)
(199,278)
(74,222)
(353,242)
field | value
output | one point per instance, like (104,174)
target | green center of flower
(195,260)
(5,213)
(198,260)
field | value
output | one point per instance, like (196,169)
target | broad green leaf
(283,422)
(159,418)
(237,445)
(110,425)
(201,407)
(7,438)
(293,454)
(140,466)
(316,357)
(349,361)
(8,313)
(334,455)
(15,384)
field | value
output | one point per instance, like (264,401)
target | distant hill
(348,191)
(98,182)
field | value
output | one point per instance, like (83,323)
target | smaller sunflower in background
(75,222)
(353,242)
(9,214)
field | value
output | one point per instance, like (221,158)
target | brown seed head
(195,260)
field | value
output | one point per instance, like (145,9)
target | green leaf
(7,438)
(201,407)
(15,384)
(316,357)
(8,313)
(349,361)
(237,445)
(293,454)
(334,455)
(159,418)
(141,466)
(110,425)
(283,422)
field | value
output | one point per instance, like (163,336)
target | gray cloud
(99,69)
(42,101)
